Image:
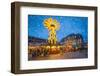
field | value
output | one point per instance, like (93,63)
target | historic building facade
(73,42)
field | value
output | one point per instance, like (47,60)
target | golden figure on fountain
(52,25)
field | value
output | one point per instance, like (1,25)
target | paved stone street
(67,55)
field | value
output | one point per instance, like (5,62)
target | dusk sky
(68,25)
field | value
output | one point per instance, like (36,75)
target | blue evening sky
(68,25)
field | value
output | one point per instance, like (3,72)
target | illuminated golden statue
(52,25)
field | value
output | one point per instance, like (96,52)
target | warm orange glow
(52,25)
